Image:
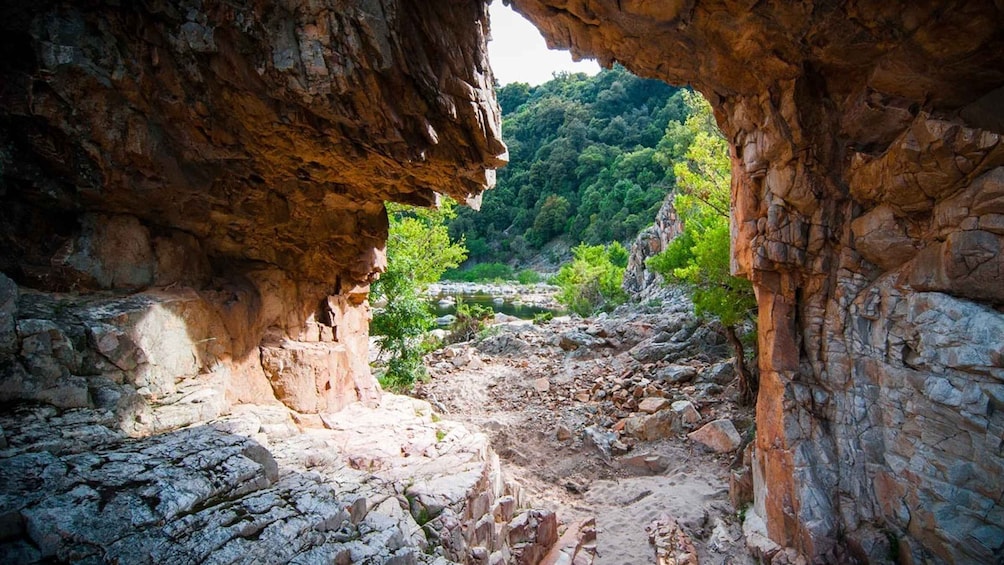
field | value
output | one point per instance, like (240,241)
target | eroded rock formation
(867,204)
(226,163)
(191,211)
(236,157)
(392,485)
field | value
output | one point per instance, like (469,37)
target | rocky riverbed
(630,418)
(570,441)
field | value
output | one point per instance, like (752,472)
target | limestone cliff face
(228,161)
(868,199)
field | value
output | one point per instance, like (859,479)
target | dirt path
(552,399)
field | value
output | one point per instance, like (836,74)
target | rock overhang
(271,132)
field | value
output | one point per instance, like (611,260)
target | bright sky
(518,53)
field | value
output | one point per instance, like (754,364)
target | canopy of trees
(587,162)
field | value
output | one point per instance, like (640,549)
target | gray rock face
(404,490)
(8,316)
(677,374)
(639,280)
(867,204)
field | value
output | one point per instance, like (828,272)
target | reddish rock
(652,405)
(531,535)
(866,188)
(672,545)
(719,435)
(577,546)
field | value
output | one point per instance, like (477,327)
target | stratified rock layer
(191,211)
(235,156)
(867,204)
(375,486)
(271,132)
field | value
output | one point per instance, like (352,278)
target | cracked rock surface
(387,485)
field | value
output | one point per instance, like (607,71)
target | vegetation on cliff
(699,257)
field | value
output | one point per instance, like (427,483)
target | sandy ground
(503,395)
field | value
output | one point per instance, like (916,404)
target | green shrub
(543,317)
(699,257)
(419,249)
(592,281)
(471,319)
(528,276)
(482,272)
(403,370)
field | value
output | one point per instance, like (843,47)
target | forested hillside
(590,159)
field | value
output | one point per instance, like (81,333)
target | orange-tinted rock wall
(234,158)
(867,200)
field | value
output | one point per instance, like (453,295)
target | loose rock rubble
(672,545)
(585,411)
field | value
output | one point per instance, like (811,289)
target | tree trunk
(747,379)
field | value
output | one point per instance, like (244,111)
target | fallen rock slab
(646,463)
(677,374)
(652,427)
(577,546)
(653,404)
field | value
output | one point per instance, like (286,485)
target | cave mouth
(257,144)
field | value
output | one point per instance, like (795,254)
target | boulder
(575,339)
(676,374)
(647,463)
(600,439)
(650,350)
(686,412)
(467,357)
(653,404)
(721,373)
(720,436)
(651,427)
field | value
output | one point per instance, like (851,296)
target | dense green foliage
(492,272)
(592,281)
(699,257)
(419,250)
(586,163)
(482,272)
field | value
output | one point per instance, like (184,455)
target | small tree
(699,257)
(419,250)
(592,281)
